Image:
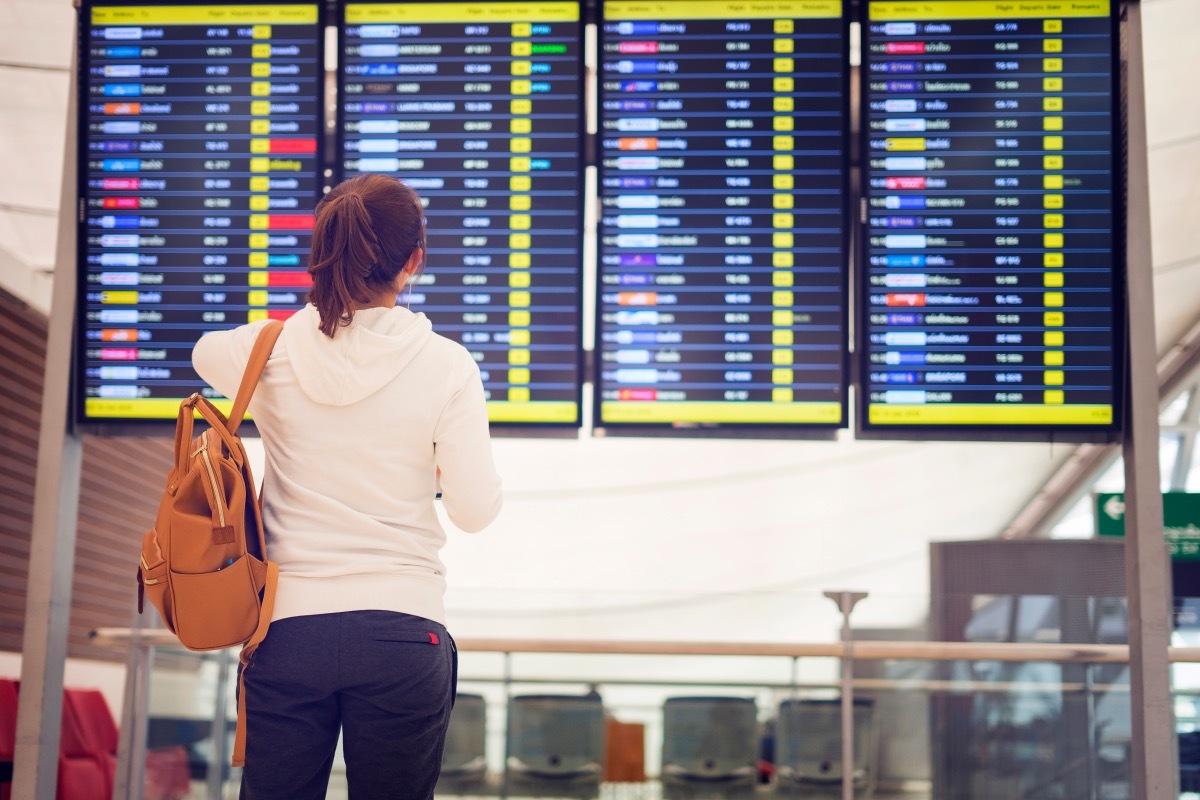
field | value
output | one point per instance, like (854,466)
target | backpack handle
(183,432)
(226,428)
(254,370)
(188,409)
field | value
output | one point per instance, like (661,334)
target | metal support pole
(1093,731)
(141,728)
(846,602)
(1147,576)
(218,765)
(131,743)
(55,513)
(507,721)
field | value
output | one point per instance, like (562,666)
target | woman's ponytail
(365,231)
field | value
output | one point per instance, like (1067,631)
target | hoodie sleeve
(220,357)
(470,484)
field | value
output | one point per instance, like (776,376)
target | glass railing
(726,715)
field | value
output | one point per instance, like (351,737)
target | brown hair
(366,229)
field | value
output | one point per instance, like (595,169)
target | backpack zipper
(212,477)
(147,581)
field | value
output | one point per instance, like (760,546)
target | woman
(365,413)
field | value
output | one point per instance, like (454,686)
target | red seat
(95,718)
(87,751)
(99,727)
(8,719)
(8,729)
(167,776)
(88,735)
(82,779)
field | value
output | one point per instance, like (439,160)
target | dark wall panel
(122,481)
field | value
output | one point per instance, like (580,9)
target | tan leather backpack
(204,563)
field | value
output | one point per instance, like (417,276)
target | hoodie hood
(360,359)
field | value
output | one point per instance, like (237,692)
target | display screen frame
(501,428)
(735,430)
(1073,434)
(148,426)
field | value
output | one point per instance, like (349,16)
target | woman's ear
(410,271)
(413,265)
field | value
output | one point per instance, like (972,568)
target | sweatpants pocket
(413,636)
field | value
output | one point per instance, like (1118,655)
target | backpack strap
(254,370)
(188,409)
(218,424)
(263,346)
(183,433)
(264,620)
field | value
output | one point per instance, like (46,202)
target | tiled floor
(650,790)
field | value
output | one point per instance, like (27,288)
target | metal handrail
(863,650)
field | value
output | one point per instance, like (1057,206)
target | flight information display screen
(198,175)
(992,269)
(479,108)
(723,192)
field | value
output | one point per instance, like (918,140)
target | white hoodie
(354,429)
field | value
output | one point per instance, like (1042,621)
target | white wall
(35,34)
(1172,59)
(79,673)
(728,540)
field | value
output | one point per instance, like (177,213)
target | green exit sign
(1181,521)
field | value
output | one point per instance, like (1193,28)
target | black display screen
(198,173)
(991,266)
(723,219)
(479,108)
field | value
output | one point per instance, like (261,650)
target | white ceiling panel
(29,238)
(1171,31)
(1176,301)
(625,523)
(32,132)
(1175,203)
(36,32)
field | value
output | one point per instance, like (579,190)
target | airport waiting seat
(464,768)
(808,748)
(81,779)
(87,744)
(97,725)
(195,736)
(166,776)
(555,746)
(710,747)
(1189,762)
(89,732)
(8,735)
(82,771)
